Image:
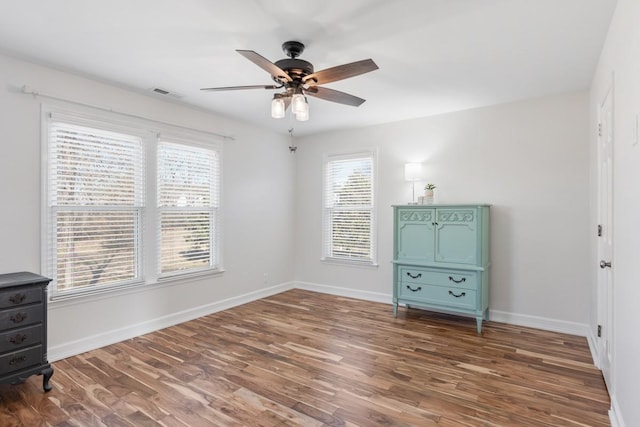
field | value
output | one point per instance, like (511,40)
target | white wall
(529,160)
(258,211)
(621,58)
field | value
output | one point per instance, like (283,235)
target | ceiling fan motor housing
(295,68)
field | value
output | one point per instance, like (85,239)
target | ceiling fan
(297,78)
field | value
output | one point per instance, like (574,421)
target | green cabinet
(441,258)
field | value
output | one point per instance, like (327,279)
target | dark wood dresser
(23,328)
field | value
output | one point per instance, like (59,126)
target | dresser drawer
(455,278)
(21,316)
(19,338)
(20,359)
(413,275)
(439,295)
(20,296)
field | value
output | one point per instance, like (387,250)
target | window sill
(349,263)
(61,301)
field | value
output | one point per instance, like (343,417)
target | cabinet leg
(479,323)
(46,376)
(395,309)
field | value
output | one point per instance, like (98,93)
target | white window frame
(151,133)
(326,210)
(213,209)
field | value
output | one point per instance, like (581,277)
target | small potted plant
(428,193)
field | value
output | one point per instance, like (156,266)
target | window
(96,196)
(187,204)
(349,216)
(98,171)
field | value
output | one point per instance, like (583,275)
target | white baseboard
(593,348)
(545,323)
(100,340)
(345,292)
(615,416)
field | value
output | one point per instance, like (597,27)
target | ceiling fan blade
(341,72)
(333,96)
(265,64)
(241,87)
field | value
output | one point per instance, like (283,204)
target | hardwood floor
(307,359)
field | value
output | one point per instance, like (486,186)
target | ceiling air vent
(165,92)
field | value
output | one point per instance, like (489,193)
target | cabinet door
(456,239)
(415,235)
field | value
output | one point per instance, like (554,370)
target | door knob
(604,264)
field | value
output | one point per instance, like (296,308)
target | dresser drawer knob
(17,359)
(17,339)
(17,298)
(414,276)
(458,295)
(18,317)
(419,288)
(464,279)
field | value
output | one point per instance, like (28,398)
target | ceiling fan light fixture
(299,103)
(303,115)
(277,107)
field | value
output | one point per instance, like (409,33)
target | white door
(605,232)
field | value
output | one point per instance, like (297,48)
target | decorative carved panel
(456,216)
(416,216)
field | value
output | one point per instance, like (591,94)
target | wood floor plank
(307,359)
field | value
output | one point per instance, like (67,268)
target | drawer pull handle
(17,298)
(414,277)
(464,279)
(457,296)
(16,360)
(18,317)
(419,288)
(17,339)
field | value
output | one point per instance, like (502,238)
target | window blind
(348,208)
(188,200)
(95,199)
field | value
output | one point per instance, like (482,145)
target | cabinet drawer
(19,338)
(21,316)
(413,275)
(18,296)
(454,278)
(20,359)
(439,295)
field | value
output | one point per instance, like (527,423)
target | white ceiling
(435,56)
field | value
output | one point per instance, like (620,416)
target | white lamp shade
(413,171)
(298,103)
(303,115)
(277,108)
